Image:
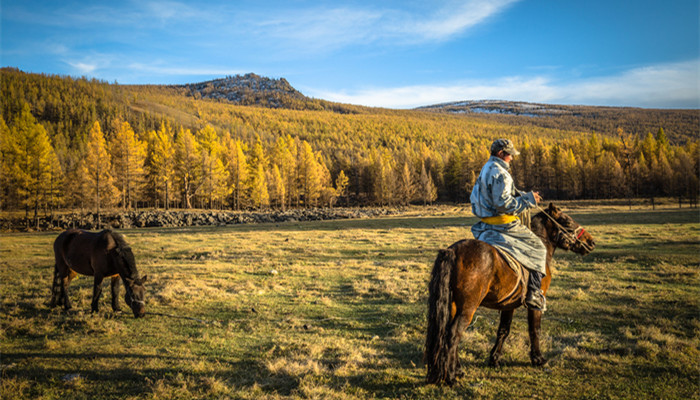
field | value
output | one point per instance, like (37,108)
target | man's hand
(537,196)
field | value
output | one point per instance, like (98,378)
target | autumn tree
(128,155)
(6,163)
(34,159)
(96,166)
(341,185)
(277,188)
(427,191)
(162,165)
(406,188)
(284,155)
(213,177)
(309,175)
(187,165)
(236,164)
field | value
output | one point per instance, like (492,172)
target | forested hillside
(70,143)
(680,125)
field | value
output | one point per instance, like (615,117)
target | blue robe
(494,195)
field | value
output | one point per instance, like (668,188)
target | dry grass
(336,310)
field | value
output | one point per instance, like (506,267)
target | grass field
(336,310)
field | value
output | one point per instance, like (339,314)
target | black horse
(472,273)
(99,254)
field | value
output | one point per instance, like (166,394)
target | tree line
(73,143)
(176,167)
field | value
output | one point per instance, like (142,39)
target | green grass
(336,310)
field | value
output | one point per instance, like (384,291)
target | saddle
(522,273)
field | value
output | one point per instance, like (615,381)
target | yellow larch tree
(96,166)
(128,155)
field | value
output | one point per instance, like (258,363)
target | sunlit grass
(336,309)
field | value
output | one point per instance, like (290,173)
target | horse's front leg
(63,298)
(115,293)
(503,332)
(96,293)
(534,318)
(55,289)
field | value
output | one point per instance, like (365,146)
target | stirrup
(536,301)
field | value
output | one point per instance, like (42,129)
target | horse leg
(534,318)
(65,281)
(96,293)
(459,324)
(115,293)
(55,288)
(503,331)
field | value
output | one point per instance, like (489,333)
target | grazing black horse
(472,273)
(101,254)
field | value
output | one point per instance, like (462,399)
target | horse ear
(553,210)
(143,278)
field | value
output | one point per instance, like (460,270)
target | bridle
(574,236)
(132,300)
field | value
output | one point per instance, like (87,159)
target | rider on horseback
(497,202)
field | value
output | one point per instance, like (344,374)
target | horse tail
(438,340)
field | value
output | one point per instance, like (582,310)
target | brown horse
(102,254)
(472,273)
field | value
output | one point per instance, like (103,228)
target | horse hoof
(494,363)
(538,361)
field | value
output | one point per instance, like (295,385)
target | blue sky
(397,54)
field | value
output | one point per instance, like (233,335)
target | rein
(575,236)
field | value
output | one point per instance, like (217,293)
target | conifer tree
(161,153)
(277,187)
(309,175)
(187,165)
(341,185)
(213,185)
(328,193)
(406,187)
(257,178)
(7,150)
(237,167)
(96,166)
(33,158)
(128,155)
(259,195)
(284,156)
(428,191)
(383,177)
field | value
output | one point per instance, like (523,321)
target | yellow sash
(499,219)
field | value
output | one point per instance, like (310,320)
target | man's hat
(505,145)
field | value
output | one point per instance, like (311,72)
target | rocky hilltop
(249,89)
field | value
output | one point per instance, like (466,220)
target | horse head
(567,234)
(135,289)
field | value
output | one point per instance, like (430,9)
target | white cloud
(162,69)
(456,18)
(83,68)
(675,85)
(331,28)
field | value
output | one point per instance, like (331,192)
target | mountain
(680,125)
(248,89)
(254,90)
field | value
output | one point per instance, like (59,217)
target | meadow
(336,310)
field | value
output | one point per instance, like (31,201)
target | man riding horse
(497,202)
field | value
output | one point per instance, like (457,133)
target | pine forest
(73,143)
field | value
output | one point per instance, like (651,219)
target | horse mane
(537,225)
(118,237)
(124,249)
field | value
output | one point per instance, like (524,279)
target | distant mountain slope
(254,90)
(679,125)
(249,89)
